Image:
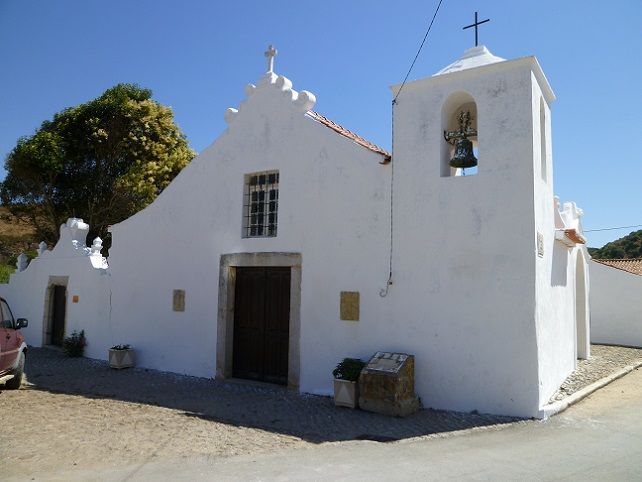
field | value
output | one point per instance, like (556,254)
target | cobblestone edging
(559,406)
(605,360)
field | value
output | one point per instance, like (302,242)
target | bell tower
(465,246)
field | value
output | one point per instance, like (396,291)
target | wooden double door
(262,324)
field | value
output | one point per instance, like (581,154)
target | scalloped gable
(568,223)
(72,244)
(303,101)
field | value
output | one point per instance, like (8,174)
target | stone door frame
(225,317)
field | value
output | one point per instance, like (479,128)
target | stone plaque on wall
(350,305)
(179,300)
(540,245)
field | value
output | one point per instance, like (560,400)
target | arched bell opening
(460,147)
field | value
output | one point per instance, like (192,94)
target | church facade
(291,243)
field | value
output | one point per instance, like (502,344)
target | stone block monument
(387,384)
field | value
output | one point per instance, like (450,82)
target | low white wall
(616,306)
(88,284)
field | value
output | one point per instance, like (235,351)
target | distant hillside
(628,247)
(15,237)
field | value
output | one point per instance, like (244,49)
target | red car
(12,347)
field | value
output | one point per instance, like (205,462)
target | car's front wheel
(17,373)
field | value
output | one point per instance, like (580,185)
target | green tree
(102,161)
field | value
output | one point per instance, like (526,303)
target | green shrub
(348,369)
(31,254)
(5,272)
(121,347)
(74,345)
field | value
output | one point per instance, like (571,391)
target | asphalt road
(600,438)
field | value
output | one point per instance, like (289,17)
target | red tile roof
(631,265)
(570,237)
(574,236)
(350,135)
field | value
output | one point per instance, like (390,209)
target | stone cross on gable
(270,53)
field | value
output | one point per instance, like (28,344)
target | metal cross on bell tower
(476,24)
(270,53)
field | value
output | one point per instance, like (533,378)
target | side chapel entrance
(56,332)
(261,324)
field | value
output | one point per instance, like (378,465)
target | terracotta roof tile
(575,236)
(350,135)
(631,265)
(570,237)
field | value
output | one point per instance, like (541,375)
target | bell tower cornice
(473,57)
(497,67)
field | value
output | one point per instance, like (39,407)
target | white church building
(291,243)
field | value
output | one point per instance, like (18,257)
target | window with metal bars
(261,204)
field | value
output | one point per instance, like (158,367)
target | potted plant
(74,345)
(346,382)
(121,356)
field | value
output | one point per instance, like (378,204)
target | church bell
(464,156)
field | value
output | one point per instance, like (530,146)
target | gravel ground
(80,414)
(604,360)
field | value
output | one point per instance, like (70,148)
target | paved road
(598,439)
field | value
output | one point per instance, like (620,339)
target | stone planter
(346,393)
(121,358)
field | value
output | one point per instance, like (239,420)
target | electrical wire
(612,229)
(384,292)
(394,101)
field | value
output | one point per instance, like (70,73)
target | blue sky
(197,56)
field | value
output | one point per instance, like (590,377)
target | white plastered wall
(616,306)
(333,211)
(464,284)
(556,267)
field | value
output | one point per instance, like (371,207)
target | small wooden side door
(58,311)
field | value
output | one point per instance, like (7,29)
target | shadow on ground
(275,409)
